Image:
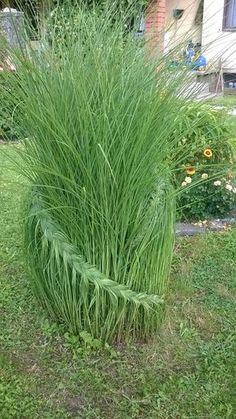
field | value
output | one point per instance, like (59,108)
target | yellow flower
(190,170)
(208,153)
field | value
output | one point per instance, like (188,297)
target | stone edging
(192,229)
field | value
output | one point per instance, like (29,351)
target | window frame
(226,28)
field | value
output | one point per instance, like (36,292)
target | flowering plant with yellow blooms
(203,158)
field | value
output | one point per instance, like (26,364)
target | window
(230,15)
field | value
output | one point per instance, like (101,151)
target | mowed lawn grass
(186,371)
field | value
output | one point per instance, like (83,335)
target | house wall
(155,25)
(181,30)
(218,44)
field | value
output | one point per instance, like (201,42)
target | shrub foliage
(203,155)
(10,120)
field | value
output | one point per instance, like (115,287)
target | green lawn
(229,101)
(187,371)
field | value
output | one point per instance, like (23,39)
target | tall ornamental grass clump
(101,211)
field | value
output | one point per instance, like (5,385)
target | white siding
(179,31)
(216,42)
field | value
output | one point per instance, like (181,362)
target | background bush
(10,120)
(202,157)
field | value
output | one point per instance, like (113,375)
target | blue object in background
(200,62)
(190,55)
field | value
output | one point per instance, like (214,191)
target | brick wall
(155,25)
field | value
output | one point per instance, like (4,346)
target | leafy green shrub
(63,23)
(203,154)
(9,113)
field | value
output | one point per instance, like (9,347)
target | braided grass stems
(77,293)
